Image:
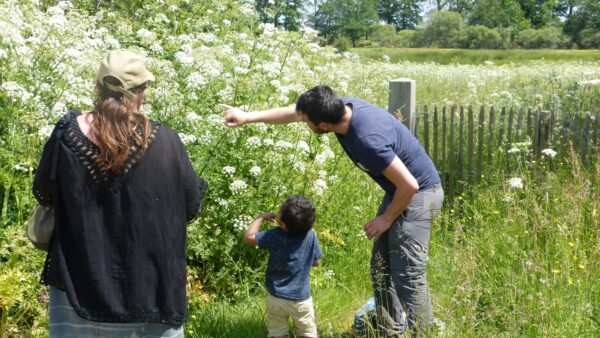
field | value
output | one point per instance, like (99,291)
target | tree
(498,13)
(541,13)
(352,18)
(403,14)
(461,6)
(281,13)
(443,30)
(583,25)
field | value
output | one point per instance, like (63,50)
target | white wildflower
(238,186)
(45,131)
(24,166)
(323,156)
(593,82)
(228,170)
(303,147)
(320,186)
(226,22)
(195,80)
(187,138)
(253,142)
(268,142)
(255,171)
(283,145)
(549,152)
(146,36)
(242,222)
(513,150)
(329,274)
(192,116)
(299,166)
(516,183)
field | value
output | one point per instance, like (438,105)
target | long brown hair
(117,122)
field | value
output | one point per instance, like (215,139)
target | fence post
(402,97)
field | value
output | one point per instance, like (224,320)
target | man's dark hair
(298,214)
(321,104)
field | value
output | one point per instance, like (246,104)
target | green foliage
(589,38)
(342,44)
(548,37)
(403,14)
(442,31)
(478,36)
(498,13)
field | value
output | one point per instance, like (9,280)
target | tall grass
(477,56)
(504,262)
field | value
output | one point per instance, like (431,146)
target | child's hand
(268,216)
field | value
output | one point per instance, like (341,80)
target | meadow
(506,260)
(446,56)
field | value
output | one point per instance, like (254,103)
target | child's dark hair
(298,214)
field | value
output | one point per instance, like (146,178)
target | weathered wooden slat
(491,126)
(435,136)
(426,129)
(451,150)
(519,131)
(501,126)
(509,132)
(576,131)
(480,129)
(470,143)
(565,141)
(443,166)
(585,138)
(530,127)
(416,131)
(461,147)
(552,127)
(537,133)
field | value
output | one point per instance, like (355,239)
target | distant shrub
(443,30)
(589,38)
(407,38)
(342,43)
(386,36)
(479,36)
(549,37)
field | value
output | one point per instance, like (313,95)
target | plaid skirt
(65,323)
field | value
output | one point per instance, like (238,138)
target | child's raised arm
(250,235)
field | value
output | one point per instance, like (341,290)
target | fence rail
(466,143)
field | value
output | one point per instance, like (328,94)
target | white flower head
(320,186)
(549,152)
(253,142)
(516,183)
(514,150)
(238,187)
(228,170)
(241,222)
(255,171)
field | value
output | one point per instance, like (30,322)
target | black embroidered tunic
(118,248)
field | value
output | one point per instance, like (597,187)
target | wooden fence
(467,143)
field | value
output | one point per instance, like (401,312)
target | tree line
(442,23)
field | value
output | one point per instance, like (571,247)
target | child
(293,250)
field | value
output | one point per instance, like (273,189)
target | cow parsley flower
(516,183)
(238,187)
(255,171)
(549,152)
(228,170)
(320,186)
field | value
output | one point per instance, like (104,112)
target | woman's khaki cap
(128,68)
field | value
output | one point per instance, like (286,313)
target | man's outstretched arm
(235,117)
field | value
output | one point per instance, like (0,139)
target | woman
(124,191)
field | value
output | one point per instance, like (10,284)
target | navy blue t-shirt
(290,260)
(375,137)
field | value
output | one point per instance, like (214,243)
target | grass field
(477,56)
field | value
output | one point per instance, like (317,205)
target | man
(388,152)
